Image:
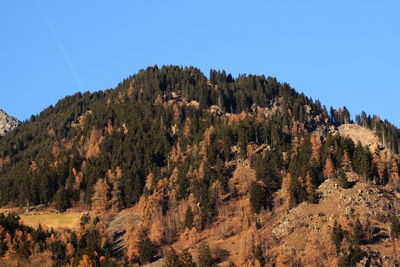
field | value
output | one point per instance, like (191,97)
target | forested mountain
(173,140)
(63,134)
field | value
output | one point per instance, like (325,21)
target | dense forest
(64,155)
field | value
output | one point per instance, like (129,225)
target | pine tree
(394,227)
(146,250)
(343,180)
(258,198)
(346,162)
(346,116)
(368,230)
(337,236)
(172,259)
(380,169)
(205,257)
(358,233)
(63,199)
(259,255)
(296,192)
(116,194)
(394,174)
(188,223)
(312,196)
(366,164)
(186,259)
(350,259)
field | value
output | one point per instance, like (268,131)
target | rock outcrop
(7,123)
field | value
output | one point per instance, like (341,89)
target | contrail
(60,46)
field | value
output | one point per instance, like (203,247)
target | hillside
(238,171)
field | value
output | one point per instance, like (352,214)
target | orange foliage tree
(329,169)
(100,196)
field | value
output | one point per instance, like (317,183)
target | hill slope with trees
(174,155)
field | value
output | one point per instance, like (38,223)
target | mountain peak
(7,122)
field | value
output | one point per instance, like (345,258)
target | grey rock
(7,123)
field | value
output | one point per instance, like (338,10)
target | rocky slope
(300,236)
(7,123)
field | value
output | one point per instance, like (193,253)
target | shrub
(205,257)
(146,250)
(394,227)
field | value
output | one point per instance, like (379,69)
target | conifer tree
(329,169)
(259,255)
(343,180)
(146,250)
(205,257)
(337,236)
(258,197)
(346,162)
(100,196)
(316,146)
(186,259)
(358,233)
(171,259)
(380,169)
(394,227)
(296,192)
(312,196)
(394,173)
(188,223)
(63,199)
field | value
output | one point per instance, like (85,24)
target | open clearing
(55,220)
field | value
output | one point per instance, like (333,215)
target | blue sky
(340,52)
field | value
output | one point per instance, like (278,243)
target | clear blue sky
(341,52)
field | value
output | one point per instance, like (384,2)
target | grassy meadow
(55,220)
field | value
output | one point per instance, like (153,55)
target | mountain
(225,170)
(7,123)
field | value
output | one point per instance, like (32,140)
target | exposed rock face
(7,123)
(365,201)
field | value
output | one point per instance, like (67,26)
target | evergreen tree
(346,162)
(259,255)
(350,259)
(259,197)
(312,195)
(337,236)
(146,250)
(172,259)
(186,259)
(205,257)
(358,236)
(343,180)
(394,227)
(63,199)
(58,250)
(297,194)
(188,223)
